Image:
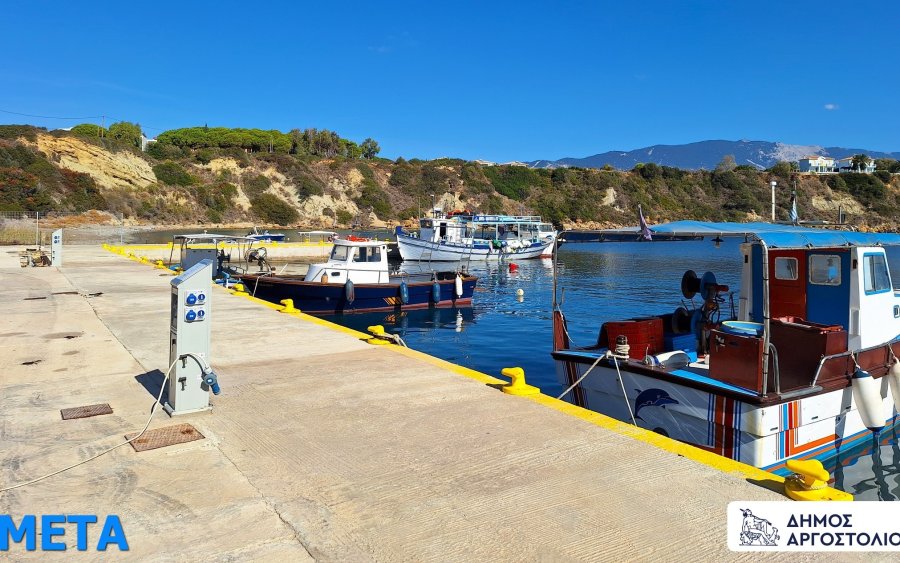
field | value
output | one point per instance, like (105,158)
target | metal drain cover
(85,411)
(166,436)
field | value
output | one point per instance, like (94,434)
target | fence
(32,228)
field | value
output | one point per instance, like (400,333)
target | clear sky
(494,80)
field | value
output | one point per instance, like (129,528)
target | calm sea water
(598,282)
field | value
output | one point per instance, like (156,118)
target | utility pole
(773,182)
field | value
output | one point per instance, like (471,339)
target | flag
(646,233)
(794,217)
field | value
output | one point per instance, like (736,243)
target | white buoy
(520,292)
(893,376)
(459,286)
(867,394)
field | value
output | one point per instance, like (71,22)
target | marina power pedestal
(56,248)
(189,341)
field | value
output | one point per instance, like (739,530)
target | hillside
(172,184)
(705,155)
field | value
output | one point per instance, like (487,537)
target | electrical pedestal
(189,341)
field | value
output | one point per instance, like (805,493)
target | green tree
(782,169)
(370,148)
(727,164)
(126,132)
(89,130)
(859,162)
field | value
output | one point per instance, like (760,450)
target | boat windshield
(339,253)
(367,254)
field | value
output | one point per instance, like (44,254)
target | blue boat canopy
(773,234)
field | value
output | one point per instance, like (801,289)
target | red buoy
(513,267)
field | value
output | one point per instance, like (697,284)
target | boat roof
(317,232)
(772,234)
(492,219)
(366,242)
(212,237)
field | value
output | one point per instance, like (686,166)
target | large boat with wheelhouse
(805,365)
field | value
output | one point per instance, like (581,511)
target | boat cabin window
(367,254)
(785,268)
(875,274)
(425,223)
(339,253)
(825,269)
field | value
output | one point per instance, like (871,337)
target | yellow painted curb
(758,476)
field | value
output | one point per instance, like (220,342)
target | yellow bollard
(160,265)
(517,385)
(378,335)
(288,306)
(810,482)
(238,289)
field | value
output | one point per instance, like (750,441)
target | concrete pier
(321,446)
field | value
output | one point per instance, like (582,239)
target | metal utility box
(190,334)
(193,256)
(56,248)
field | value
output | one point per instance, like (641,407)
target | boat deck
(322,446)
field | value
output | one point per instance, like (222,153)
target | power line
(49,116)
(111,118)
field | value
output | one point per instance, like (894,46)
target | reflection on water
(601,282)
(870,471)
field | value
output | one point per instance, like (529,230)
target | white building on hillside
(818,164)
(846,165)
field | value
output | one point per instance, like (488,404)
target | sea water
(597,282)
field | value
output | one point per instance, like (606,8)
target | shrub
(344,216)
(515,182)
(272,209)
(173,174)
(307,185)
(162,151)
(867,189)
(204,156)
(374,197)
(256,185)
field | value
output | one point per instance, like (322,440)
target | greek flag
(794,217)
(646,233)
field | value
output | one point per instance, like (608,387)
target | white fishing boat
(804,365)
(461,236)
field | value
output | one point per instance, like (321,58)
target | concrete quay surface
(320,446)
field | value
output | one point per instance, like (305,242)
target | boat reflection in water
(870,472)
(434,322)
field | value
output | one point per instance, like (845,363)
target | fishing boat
(461,235)
(265,236)
(356,278)
(804,365)
(232,255)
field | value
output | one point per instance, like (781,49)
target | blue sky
(493,80)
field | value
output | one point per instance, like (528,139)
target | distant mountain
(707,154)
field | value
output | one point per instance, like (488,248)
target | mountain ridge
(705,155)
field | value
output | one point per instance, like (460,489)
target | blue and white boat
(356,278)
(462,236)
(803,365)
(265,236)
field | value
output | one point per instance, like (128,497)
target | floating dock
(322,446)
